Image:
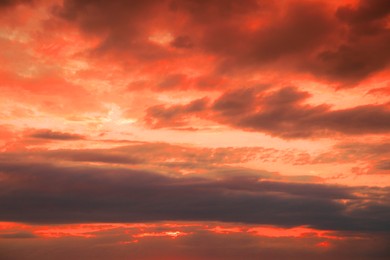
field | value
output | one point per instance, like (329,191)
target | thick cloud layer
(46,193)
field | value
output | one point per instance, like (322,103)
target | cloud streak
(281,113)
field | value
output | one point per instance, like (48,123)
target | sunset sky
(194,129)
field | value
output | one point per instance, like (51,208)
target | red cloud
(344,44)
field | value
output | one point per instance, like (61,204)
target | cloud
(281,113)
(121,26)
(242,49)
(174,158)
(383,165)
(346,45)
(93,155)
(182,42)
(342,44)
(236,102)
(16,235)
(47,193)
(174,115)
(54,135)
(12,3)
(371,155)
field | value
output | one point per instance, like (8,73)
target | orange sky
(190,129)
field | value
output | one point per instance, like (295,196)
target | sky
(194,129)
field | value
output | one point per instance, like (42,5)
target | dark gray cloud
(55,135)
(46,193)
(17,235)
